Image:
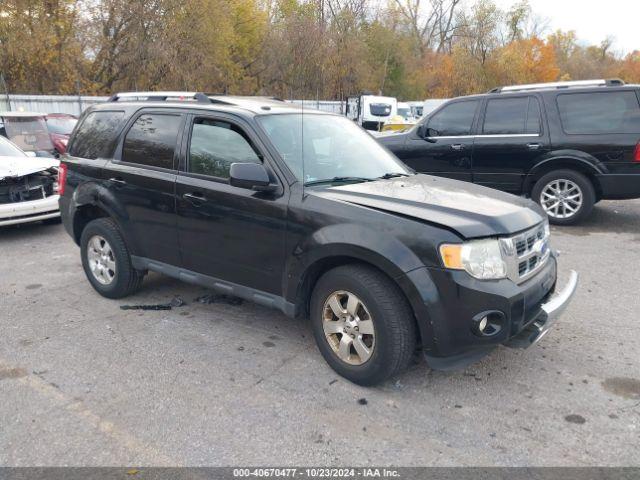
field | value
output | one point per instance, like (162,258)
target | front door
(229,233)
(510,140)
(446,147)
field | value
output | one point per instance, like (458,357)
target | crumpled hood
(21,166)
(471,210)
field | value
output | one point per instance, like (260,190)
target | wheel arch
(91,201)
(565,162)
(320,266)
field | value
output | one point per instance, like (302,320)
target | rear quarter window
(96,135)
(599,112)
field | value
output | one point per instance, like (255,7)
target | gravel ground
(83,382)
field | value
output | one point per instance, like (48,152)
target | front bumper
(447,303)
(551,310)
(30,211)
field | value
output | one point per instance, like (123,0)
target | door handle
(195,198)
(533,146)
(457,146)
(117,181)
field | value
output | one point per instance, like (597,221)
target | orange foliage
(630,68)
(526,61)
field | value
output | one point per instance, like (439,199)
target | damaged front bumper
(549,313)
(29,211)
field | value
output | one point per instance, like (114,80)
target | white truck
(371,111)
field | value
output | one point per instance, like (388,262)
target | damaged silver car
(28,186)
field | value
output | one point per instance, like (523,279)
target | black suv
(566,144)
(306,213)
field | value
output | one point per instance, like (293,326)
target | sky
(592,20)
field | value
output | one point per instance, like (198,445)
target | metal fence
(76,104)
(48,103)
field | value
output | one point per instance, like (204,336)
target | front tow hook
(547,317)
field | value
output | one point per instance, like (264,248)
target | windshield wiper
(337,180)
(387,176)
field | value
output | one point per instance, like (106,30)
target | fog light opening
(488,324)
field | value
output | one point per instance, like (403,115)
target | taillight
(636,153)
(62,178)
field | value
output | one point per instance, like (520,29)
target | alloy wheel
(348,327)
(102,262)
(561,198)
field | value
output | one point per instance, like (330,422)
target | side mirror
(252,176)
(430,135)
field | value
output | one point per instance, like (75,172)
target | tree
(39,51)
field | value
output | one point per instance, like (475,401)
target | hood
(471,210)
(21,166)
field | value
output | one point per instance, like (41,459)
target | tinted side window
(151,140)
(534,118)
(599,112)
(454,119)
(512,116)
(96,136)
(215,145)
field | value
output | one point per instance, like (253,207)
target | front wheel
(363,324)
(566,196)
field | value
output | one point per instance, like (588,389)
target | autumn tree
(39,51)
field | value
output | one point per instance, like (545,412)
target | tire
(570,184)
(393,341)
(121,278)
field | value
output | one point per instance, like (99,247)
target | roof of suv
(551,88)
(245,105)
(561,86)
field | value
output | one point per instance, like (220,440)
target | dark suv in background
(565,144)
(310,215)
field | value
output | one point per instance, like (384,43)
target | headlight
(547,230)
(481,259)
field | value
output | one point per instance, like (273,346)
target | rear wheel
(566,196)
(106,260)
(362,324)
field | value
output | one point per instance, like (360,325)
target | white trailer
(371,111)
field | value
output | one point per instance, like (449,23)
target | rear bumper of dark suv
(619,186)
(452,305)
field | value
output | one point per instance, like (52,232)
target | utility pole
(6,91)
(79,96)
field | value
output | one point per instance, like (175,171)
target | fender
(380,250)
(581,161)
(385,252)
(95,194)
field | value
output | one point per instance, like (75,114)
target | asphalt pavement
(83,382)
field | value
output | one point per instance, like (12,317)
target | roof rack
(160,96)
(611,82)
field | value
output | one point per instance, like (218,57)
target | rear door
(229,233)
(511,137)
(605,124)
(448,151)
(142,177)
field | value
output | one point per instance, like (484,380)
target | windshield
(28,133)
(333,146)
(8,149)
(61,125)
(404,112)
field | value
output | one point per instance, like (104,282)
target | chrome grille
(526,253)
